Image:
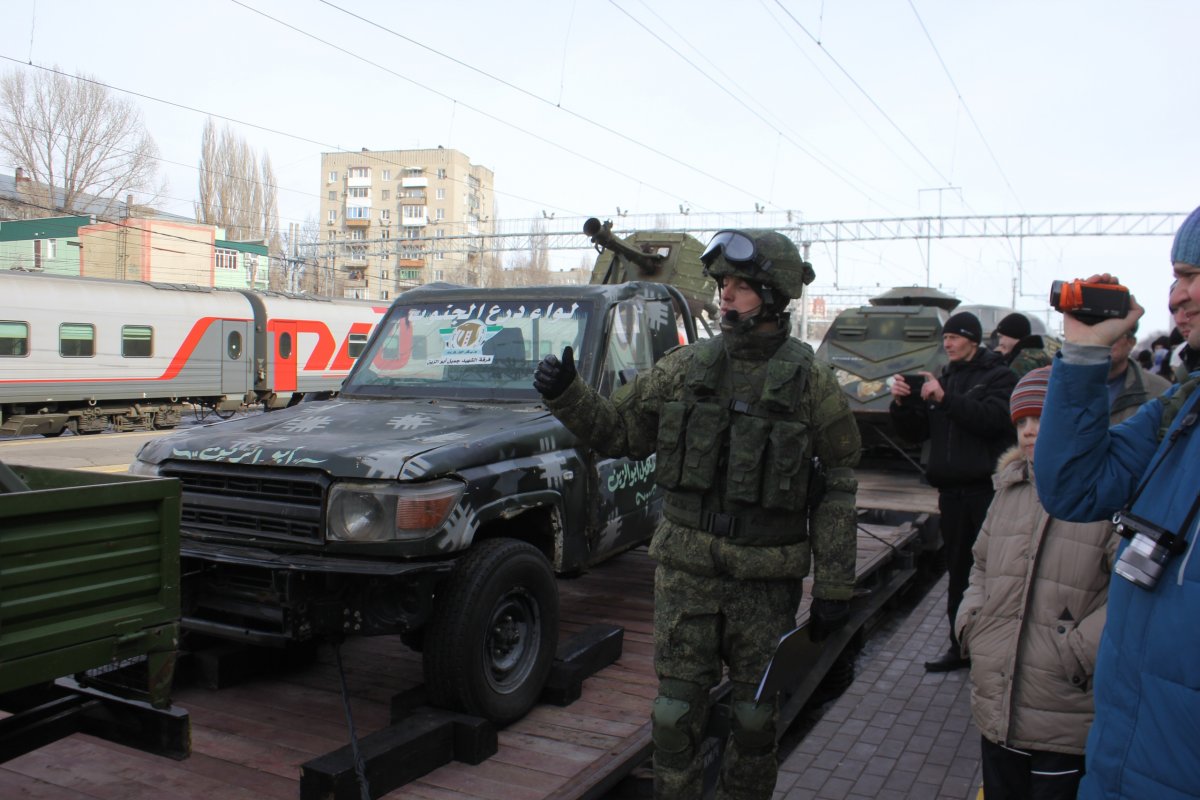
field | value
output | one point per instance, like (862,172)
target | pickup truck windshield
(469,351)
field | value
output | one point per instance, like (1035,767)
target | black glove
(825,617)
(553,376)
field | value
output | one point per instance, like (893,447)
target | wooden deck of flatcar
(249,740)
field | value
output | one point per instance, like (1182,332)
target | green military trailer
(89,607)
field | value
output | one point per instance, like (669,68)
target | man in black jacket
(964,415)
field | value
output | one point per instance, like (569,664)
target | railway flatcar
(87,354)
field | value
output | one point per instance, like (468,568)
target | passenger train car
(85,354)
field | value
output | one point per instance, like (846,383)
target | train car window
(234,345)
(137,341)
(14,338)
(76,340)
(358,341)
(285,345)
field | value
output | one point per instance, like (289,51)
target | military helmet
(760,256)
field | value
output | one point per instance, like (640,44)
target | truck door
(640,331)
(235,362)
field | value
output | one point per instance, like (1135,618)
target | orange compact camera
(1090,302)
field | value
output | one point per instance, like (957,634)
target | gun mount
(669,257)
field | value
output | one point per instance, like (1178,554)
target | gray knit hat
(1186,249)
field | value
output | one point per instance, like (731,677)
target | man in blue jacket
(1145,741)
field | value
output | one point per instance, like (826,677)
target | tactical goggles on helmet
(737,248)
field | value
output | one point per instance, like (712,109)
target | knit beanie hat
(1030,394)
(965,324)
(1014,326)
(1186,249)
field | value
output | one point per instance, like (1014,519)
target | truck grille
(281,504)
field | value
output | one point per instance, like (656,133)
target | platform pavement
(897,731)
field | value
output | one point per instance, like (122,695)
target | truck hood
(372,439)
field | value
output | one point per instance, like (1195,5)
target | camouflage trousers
(700,625)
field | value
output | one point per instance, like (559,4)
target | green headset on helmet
(765,258)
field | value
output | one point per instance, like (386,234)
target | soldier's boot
(677,723)
(749,768)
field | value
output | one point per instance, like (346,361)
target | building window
(359,191)
(439,275)
(358,212)
(387,194)
(226,259)
(441,173)
(357,234)
(412,233)
(387,175)
(76,340)
(440,213)
(438,256)
(413,212)
(333,176)
(137,341)
(385,294)
(440,232)
(52,248)
(360,172)
(414,172)
(386,233)
(14,339)
(332,196)
(410,274)
(333,215)
(441,194)
(386,215)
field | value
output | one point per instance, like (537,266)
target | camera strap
(1175,542)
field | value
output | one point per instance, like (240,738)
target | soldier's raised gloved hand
(825,617)
(553,375)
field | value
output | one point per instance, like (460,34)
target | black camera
(1149,549)
(1090,302)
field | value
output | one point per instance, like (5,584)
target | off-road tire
(491,640)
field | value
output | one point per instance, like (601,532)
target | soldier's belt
(747,526)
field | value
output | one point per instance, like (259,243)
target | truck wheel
(491,640)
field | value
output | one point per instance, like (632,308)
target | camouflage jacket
(1028,354)
(631,424)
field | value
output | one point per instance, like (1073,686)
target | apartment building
(383,212)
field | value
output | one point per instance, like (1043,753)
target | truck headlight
(382,512)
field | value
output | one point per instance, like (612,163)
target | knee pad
(754,725)
(673,717)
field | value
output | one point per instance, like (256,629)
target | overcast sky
(830,109)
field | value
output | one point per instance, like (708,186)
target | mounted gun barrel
(648,263)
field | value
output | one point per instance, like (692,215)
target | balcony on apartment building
(356,180)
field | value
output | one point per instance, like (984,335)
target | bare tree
(83,148)
(237,192)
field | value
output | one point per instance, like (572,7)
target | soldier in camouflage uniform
(742,425)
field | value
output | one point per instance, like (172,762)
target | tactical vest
(766,441)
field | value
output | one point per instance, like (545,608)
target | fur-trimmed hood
(1012,468)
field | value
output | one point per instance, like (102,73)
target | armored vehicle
(435,497)
(900,331)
